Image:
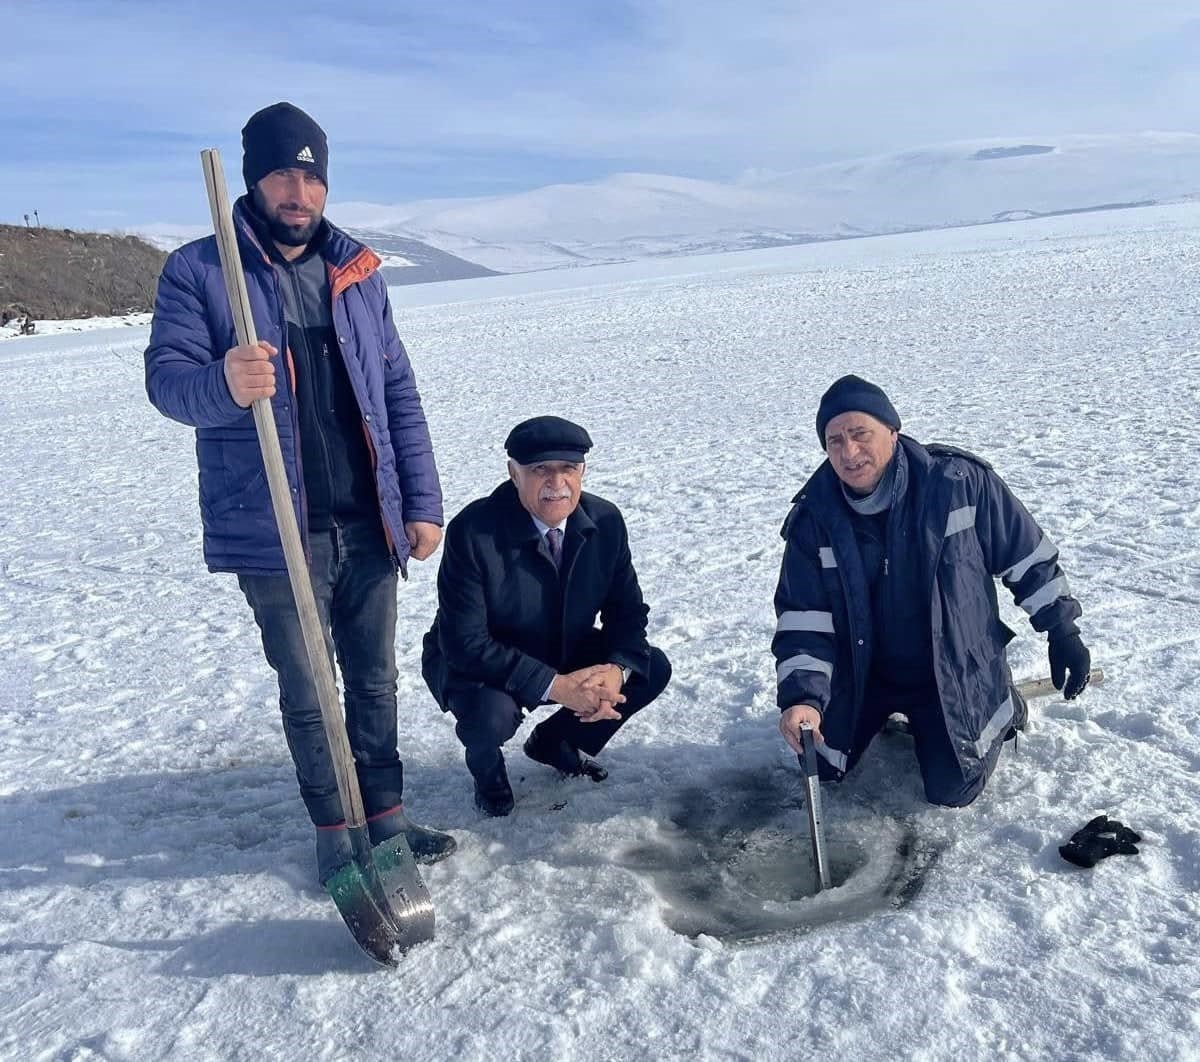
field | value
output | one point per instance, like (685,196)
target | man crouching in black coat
(524,573)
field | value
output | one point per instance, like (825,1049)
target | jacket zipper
(313,368)
(289,369)
(854,646)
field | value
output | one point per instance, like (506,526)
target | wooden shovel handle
(1044,687)
(281,499)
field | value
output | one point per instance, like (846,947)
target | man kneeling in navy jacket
(524,573)
(887,599)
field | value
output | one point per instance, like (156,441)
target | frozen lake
(156,874)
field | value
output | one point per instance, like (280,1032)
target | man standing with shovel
(355,446)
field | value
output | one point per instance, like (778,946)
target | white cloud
(684,86)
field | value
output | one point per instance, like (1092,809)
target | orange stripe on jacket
(391,543)
(361,266)
(291,370)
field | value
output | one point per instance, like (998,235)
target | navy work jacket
(970,529)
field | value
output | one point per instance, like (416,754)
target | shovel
(1044,687)
(812,792)
(379,893)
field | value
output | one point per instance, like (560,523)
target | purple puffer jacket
(185,379)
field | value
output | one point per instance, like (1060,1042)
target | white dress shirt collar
(543,527)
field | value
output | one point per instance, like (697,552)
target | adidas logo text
(305,154)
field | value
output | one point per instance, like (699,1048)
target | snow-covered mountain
(994,180)
(634,215)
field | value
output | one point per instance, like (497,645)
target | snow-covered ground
(156,872)
(12,330)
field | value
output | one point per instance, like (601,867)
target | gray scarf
(886,492)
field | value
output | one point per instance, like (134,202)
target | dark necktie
(554,541)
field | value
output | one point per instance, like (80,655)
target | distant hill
(639,215)
(60,274)
(405,260)
(408,261)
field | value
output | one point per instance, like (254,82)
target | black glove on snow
(1068,653)
(1100,838)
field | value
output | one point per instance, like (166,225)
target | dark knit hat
(547,439)
(854,394)
(280,137)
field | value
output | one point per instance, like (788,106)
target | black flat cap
(547,439)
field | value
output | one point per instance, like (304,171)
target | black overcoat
(508,619)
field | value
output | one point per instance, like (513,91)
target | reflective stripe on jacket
(971,529)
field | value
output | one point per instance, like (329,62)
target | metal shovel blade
(382,899)
(406,895)
(816,822)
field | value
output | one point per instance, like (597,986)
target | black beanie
(280,137)
(854,394)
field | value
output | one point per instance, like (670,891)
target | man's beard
(288,235)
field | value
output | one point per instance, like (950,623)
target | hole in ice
(736,863)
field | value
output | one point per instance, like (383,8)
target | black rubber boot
(334,850)
(426,845)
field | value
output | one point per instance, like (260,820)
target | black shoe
(493,794)
(496,802)
(426,845)
(562,757)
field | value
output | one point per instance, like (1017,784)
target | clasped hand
(592,693)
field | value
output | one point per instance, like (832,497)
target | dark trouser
(354,582)
(946,782)
(487,718)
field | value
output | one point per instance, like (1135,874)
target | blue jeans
(354,582)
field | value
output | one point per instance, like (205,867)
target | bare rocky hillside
(60,274)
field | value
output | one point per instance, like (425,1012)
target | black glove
(1100,838)
(1068,653)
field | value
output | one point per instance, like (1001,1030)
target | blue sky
(106,105)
